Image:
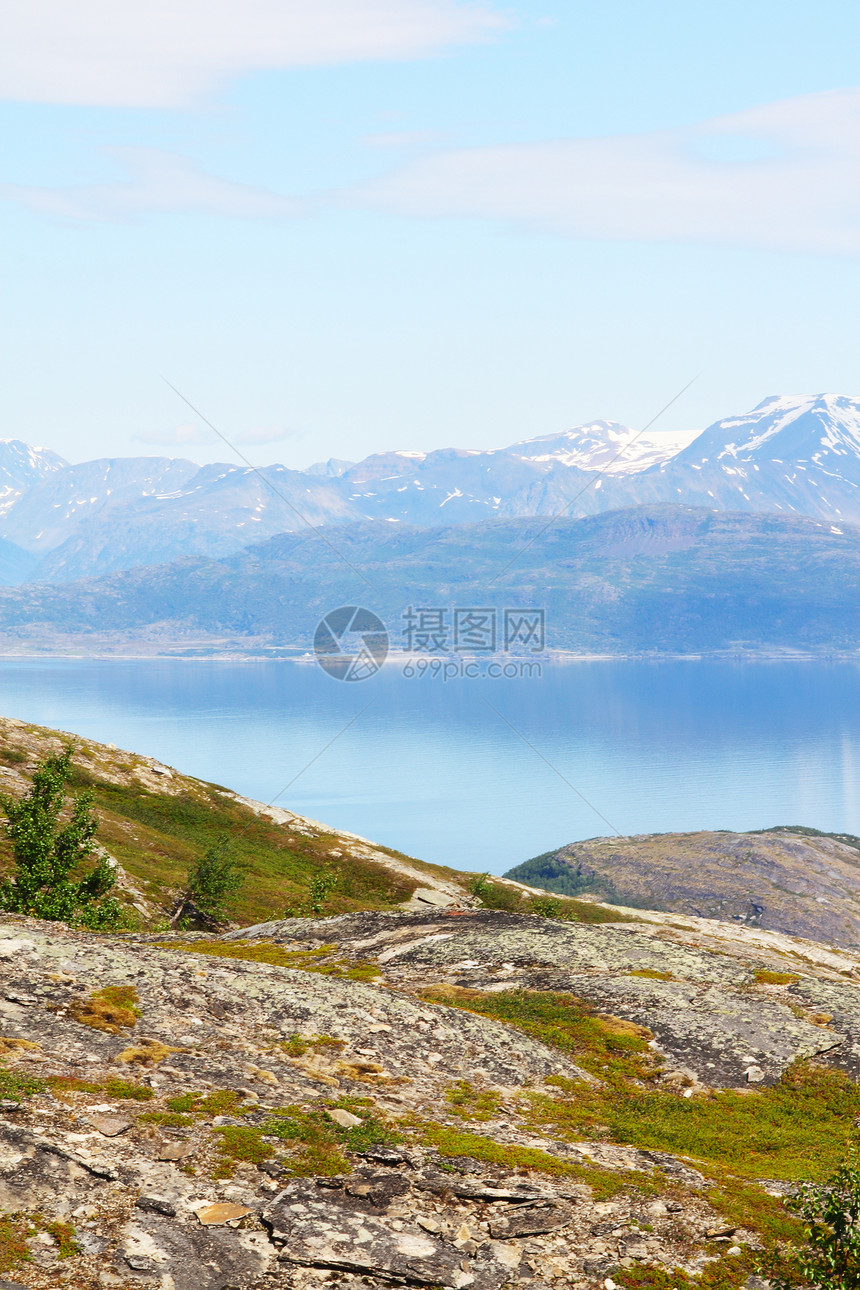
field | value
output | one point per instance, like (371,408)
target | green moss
(268,952)
(298,1045)
(470,1104)
(751,1207)
(13,1244)
(64,1235)
(607,1046)
(121,1089)
(313,1139)
(726,1273)
(239,1142)
(792,1130)
(224,1101)
(183,1102)
(170,1119)
(13,1085)
(111,1009)
(652,974)
(125,1090)
(765,977)
(457,1143)
(372,1132)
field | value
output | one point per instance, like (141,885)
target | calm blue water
(433,770)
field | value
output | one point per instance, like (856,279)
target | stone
(345,1119)
(431,896)
(532,1221)
(173,1150)
(155,1205)
(508,1255)
(221,1212)
(332,1229)
(109,1125)
(754,1074)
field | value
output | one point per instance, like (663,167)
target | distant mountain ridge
(795,455)
(643,581)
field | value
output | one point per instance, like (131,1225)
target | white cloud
(174,438)
(166,53)
(790,181)
(158,182)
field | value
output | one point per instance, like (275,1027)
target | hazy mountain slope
(16,564)
(605,446)
(21,467)
(791,455)
(801,882)
(54,507)
(669,579)
(216,511)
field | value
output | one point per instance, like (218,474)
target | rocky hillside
(455,1082)
(381,1099)
(794,880)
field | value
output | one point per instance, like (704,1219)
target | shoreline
(551,658)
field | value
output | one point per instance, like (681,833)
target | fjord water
(436,771)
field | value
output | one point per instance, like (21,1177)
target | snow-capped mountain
(791,454)
(22,466)
(786,429)
(795,454)
(605,446)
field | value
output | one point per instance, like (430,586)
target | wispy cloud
(154,182)
(785,176)
(109,53)
(192,433)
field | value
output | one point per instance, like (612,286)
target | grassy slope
(156,832)
(156,835)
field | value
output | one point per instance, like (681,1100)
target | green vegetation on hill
(160,837)
(794,1129)
(549,872)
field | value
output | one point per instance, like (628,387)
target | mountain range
(645,580)
(792,455)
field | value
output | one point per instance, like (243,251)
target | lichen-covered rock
(703,1002)
(252,1125)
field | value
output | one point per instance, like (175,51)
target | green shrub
(211,882)
(45,854)
(830,1256)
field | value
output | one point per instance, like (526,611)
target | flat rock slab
(531,1220)
(223,1212)
(187,1257)
(109,1125)
(327,1229)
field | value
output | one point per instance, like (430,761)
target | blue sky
(346,226)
